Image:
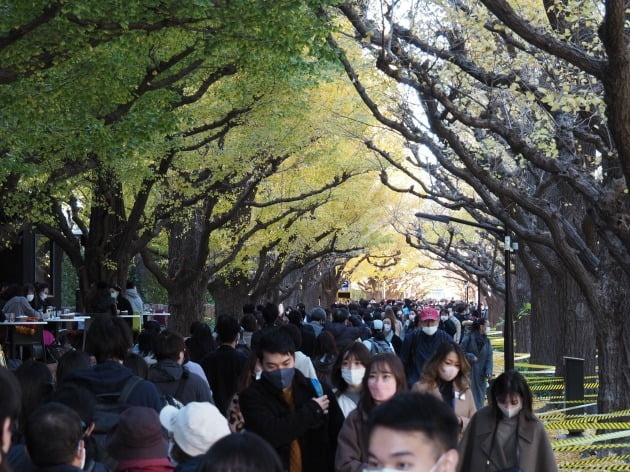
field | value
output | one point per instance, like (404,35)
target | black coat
(268,415)
(345,335)
(224,368)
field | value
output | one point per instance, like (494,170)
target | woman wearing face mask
(478,351)
(506,434)
(385,377)
(18,300)
(40,299)
(446,377)
(389,328)
(347,375)
(410,323)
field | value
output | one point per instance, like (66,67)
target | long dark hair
(356,350)
(431,373)
(383,362)
(509,383)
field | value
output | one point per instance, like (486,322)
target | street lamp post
(479,289)
(508,247)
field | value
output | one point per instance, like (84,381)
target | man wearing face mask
(54,439)
(420,346)
(288,411)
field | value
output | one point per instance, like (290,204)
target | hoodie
(168,376)
(137,306)
(110,377)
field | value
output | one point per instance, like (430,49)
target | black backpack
(175,399)
(109,406)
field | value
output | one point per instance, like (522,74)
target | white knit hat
(195,427)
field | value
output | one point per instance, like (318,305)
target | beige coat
(464,402)
(477,455)
(352,443)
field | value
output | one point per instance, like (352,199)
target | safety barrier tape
(578,424)
(560,401)
(546,416)
(559,397)
(590,439)
(590,447)
(599,461)
(542,388)
(560,410)
(534,366)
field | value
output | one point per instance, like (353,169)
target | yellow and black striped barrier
(599,463)
(582,424)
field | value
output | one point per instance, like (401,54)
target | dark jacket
(352,448)
(110,377)
(59,468)
(191,465)
(308,339)
(345,335)
(475,448)
(479,353)
(19,460)
(123,305)
(418,348)
(224,368)
(268,415)
(169,378)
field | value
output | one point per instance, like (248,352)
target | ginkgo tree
(528,104)
(106,106)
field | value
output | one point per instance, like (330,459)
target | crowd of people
(358,387)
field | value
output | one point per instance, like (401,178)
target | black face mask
(280,378)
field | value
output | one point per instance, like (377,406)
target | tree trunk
(576,326)
(187,288)
(613,339)
(496,308)
(229,297)
(186,305)
(329,285)
(547,309)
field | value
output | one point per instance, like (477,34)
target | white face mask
(412,317)
(258,374)
(448,372)
(114,294)
(510,412)
(444,317)
(30,297)
(430,330)
(353,377)
(387,327)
